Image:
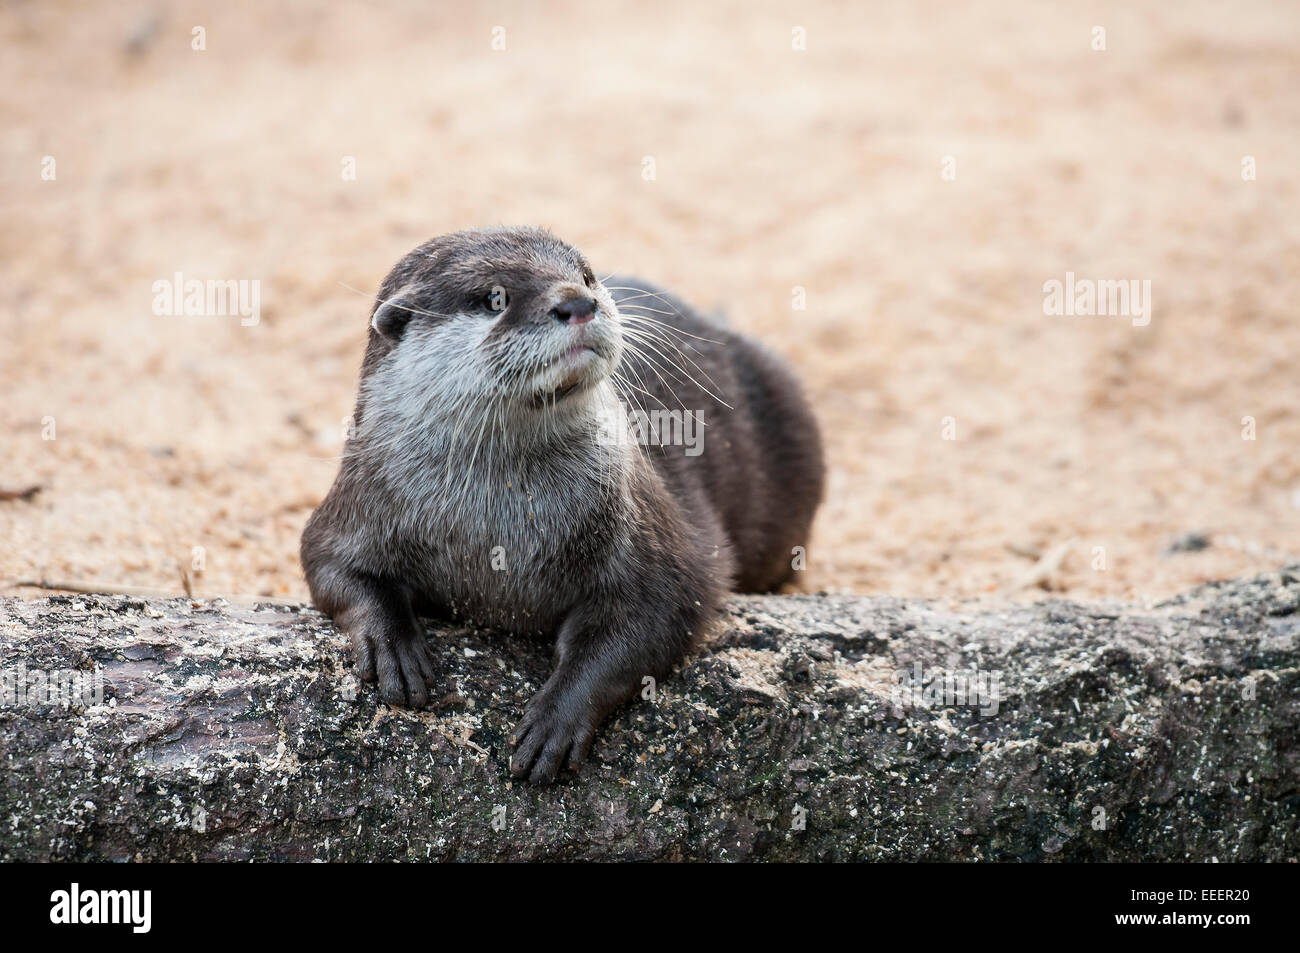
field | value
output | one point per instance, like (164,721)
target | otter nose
(575,311)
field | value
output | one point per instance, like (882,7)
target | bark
(232,732)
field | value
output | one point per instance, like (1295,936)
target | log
(817,727)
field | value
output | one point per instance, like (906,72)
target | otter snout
(576,310)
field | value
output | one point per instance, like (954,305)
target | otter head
(507,321)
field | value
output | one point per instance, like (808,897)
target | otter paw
(401,665)
(552,732)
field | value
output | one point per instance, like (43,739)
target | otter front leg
(600,663)
(387,640)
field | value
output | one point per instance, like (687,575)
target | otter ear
(391,317)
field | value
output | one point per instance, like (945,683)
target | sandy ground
(775,168)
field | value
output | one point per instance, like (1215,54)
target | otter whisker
(654,368)
(644,293)
(642,388)
(636,322)
(681,370)
(666,326)
(628,302)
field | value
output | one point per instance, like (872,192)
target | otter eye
(589,277)
(495,300)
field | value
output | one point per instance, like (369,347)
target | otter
(508,465)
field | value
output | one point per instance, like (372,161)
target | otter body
(491,475)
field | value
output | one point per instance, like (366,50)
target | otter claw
(549,736)
(402,667)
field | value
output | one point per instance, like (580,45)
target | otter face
(493,318)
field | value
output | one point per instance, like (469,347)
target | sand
(1088,440)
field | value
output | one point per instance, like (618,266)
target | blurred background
(919,170)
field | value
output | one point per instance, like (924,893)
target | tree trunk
(810,728)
